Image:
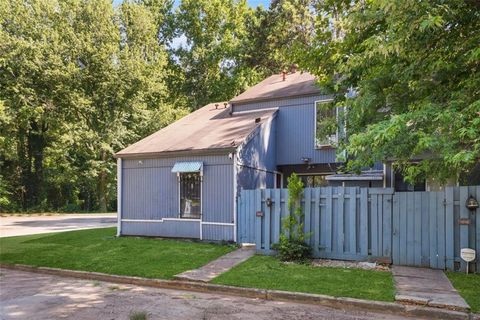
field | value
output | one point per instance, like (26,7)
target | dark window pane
(190,195)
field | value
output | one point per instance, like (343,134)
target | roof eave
(263,99)
(175,153)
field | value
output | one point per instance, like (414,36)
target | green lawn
(468,285)
(269,273)
(99,250)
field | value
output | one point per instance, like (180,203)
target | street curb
(274,295)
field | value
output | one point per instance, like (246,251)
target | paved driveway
(18,226)
(26,295)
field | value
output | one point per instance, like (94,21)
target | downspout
(119,197)
(235,197)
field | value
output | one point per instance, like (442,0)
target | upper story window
(326,119)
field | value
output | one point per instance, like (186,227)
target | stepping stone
(218,266)
(428,287)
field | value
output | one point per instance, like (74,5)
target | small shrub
(292,246)
(138,315)
(292,250)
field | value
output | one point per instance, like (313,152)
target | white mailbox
(467,254)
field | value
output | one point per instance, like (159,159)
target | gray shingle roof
(208,128)
(274,87)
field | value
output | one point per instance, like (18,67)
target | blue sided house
(184,180)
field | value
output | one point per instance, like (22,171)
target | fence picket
(267,225)
(396,229)
(364,222)
(316,222)
(352,223)
(328,220)
(449,228)
(258,223)
(307,213)
(441,230)
(433,224)
(276,219)
(374,228)
(340,225)
(464,214)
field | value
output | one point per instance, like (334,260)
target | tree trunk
(102,186)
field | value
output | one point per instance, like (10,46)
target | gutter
(119,197)
(264,99)
(170,154)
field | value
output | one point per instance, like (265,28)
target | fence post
(449,228)
(464,214)
(307,214)
(258,219)
(267,225)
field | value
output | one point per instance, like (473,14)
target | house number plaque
(259,213)
(464,221)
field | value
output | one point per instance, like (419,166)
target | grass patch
(269,273)
(100,251)
(468,285)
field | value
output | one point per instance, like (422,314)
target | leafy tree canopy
(415,67)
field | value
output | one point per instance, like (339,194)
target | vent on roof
(257,120)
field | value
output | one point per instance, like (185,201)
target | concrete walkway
(426,287)
(218,266)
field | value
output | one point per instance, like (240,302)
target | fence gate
(430,228)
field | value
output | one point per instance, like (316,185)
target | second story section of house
(306,129)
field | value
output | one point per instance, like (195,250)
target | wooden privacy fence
(407,228)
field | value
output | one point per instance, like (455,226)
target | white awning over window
(194,166)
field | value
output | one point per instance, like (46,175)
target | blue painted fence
(425,229)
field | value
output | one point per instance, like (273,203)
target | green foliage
(79,81)
(292,246)
(415,67)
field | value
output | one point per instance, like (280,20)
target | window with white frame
(190,195)
(326,123)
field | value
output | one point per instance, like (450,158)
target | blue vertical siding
(150,192)
(295,129)
(257,158)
